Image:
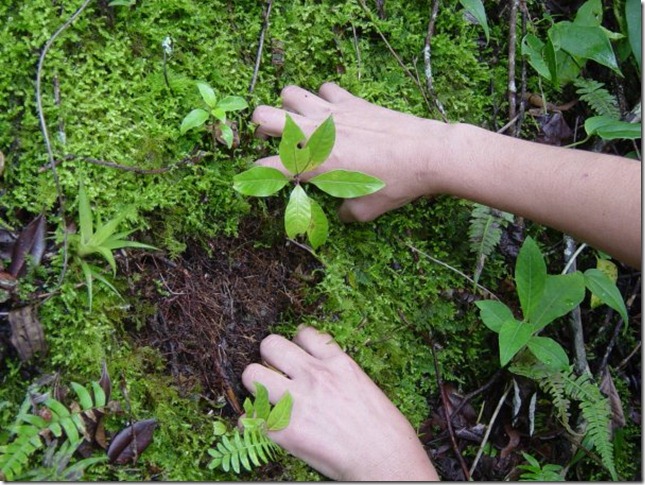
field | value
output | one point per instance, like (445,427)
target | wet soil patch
(214,305)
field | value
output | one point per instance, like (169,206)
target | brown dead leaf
(513,440)
(128,445)
(31,242)
(609,389)
(27,334)
(554,129)
(8,285)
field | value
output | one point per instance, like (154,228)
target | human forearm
(593,197)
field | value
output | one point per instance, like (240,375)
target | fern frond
(253,448)
(485,232)
(601,101)
(29,431)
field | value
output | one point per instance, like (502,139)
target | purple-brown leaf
(105,382)
(30,242)
(130,442)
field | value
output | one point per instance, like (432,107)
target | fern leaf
(253,448)
(485,232)
(601,101)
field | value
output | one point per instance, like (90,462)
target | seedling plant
(300,155)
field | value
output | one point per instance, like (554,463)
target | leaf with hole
(347,184)
(294,158)
(260,181)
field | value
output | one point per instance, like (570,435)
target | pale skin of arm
(342,423)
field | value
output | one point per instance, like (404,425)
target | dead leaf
(27,334)
(30,242)
(513,440)
(105,382)
(8,285)
(609,389)
(554,129)
(131,442)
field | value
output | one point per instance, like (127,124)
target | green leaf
(226,134)
(100,398)
(320,143)
(600,285)
(586,42)
(297,215)
(494,314)
(634,28)
(476,9)
(84,215)
(281,413)
(208,95)
(83,396)
(611,271)
(562,293)
(248,407)
(232,103)
(87,272)
(219,429)
(533,48)
(194,119)
(530,277)
(549,352)
(589,14)
(611,129)
(219,114)
(347,184)
(551,57)
(262,406)
(294,158)
(319,227)
(513,336)
(260,181)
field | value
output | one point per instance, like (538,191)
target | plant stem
(427,51)
(258,56)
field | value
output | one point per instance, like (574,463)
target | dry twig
(427,60)
(258,56)
(512,88)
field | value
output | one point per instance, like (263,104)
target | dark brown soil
(215,304)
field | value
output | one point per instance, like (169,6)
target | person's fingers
(271,121)
(318,344)
(301,101)
(284,355)
(334,93)
(276,383)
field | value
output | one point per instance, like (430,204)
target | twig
(488,430)
(198,155)
(575,320)
(43,128)
(508,125)
(627,359)
(572,260)
(468,397)
(520,116)
(427,60)
(446,265)
(358,52)
(396,56)
(446,405)
(258,56)
(610,345)
(512,89)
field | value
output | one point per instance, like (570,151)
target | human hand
(342,424)
(406,152)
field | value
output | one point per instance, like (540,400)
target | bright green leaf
(347,184)
(600,285)
(549,352)
(260,181)
(319,227)
(562,293)
(232,103)
(634,28)
(585,42)
(227,134)
(83,396)
(320,143)
(261,405)
(533,48)
(551,57)
(610,129)
(281,413)
(208,95)
(589,14)
(219,428)
(494,313)
(84,215)
(219,114)
(530,277)
(297,215)
(610,270)
(194,119)
(100,399)
(293,157)
(513,335)
(476,9)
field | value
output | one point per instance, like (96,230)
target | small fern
(253,447)
(31,432)
(540,473)
(485,232)
(564,386)
(601,101)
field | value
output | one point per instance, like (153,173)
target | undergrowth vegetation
(397,294)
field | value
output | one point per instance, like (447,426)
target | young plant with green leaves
(543,298)
(101,239)
(300,155)
(218,109)
(252,447)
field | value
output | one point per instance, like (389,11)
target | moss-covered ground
(224,275)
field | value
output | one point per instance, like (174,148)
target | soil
(215,304)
